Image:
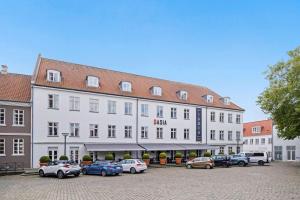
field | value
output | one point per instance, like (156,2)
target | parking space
(277,181)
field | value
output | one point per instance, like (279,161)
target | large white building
(108,111)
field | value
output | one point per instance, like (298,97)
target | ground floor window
(221,150)
(213,152)
(18,145)
(278,152)
(74,154)
(291,152)
(229,150)
(238,150)
(52,153)
(2,146)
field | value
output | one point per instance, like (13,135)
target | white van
(257,157)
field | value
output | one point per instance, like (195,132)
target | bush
(231,153)
(146,156)
(192,154)
(221,154)
(44,159)
(127,156)
(109,156)
(87,158)
(162,155)
(207,154)
(178,155)
(63,157)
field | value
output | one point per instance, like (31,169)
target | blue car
(103,168)
(239,160)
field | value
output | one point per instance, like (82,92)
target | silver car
(60,169)
(133,165)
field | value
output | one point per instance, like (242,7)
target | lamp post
(65,149)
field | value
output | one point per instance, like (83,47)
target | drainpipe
(206,125)
(31,129)
(137,124)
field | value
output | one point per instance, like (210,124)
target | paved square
(278,181)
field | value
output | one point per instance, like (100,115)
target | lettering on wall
(160,122)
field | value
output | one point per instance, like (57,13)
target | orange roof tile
(74,77)
(266,128)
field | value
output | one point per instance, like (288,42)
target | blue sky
(224,45)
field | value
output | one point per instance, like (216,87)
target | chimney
(4,69)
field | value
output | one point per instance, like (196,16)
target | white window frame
(221,117)
(2,143)
(54,98)
(209,98)
(53,76)
(212,116)
(19,113)
(256,141)
(111,131)
(144,132)
(53,126)
(183,95)
(229,118)
(94,130)
(221,135)
(2,115)
(212,134)
(173,133)
(186,134)
(20,143)
(238,119)
(269,140)
(94,105)
(251,141)
(173,113)
(221,150)
(126,86)
(144,110)
(74,103)
(92,81)
(111,107)
(160,111)
(230,138)
(52,156)
(128,108)
(159,133)
(246,141)
(186,114)
(128,132)
(74,129)
(263,141)
(74,153)
(156,91)
(256,129)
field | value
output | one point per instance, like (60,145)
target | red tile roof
(74,77)
(266,128)
(15,87)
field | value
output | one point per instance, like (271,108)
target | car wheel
(76,175)
(132,170)
(84,171)
(41,173)
(117,174)
(241,164)
(60,175)
(261,163)
(142,171)
(189,166)
(208,167)
(103,173)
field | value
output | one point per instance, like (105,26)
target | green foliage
(192,154)
(87,158)
(127,156)
(63,157)
(163,155)
(221,154)
(178,154)
(231,153)
(282,97)
(44,159)
(207,154)
(109,156)
(146,156)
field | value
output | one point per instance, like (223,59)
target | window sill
(128,137)
(2,155)
(111,137)
(18,154)
(144,138)
(94,137)
(14,125)
(144,115)
(173,117)
(75,110)
(128,114)
(2,124)
(53,108)
(111,113)
(74,136)
(94,111)
(52,135)
(160,117)
(187,119)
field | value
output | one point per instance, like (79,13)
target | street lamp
(65,135)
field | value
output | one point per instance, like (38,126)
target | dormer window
(183,95)
(209,98)
(156,91)
(125,86)
(53,76)
(256,129)
(226,100)
(92,81)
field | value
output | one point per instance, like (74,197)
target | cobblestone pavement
(278,181)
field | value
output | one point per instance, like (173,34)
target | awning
(198,147)
(113,147)
(161,147)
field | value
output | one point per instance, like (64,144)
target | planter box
(147,161)
(86,162)
(178,161)
(163,161)
(43,164)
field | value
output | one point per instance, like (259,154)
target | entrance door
(291,152)
(278,152)
(74,155)
(52,153)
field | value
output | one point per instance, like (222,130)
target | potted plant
(163,158)
(109,156)
(146,158)
(231,153)
(192,155)
(207,154)
(63,157)
(86,160)
(126,156)
(44,160)
(178,158)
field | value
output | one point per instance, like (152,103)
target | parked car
(60,169)
(200,162)
(222,160)
(239,160)
(257,157)
(133,165)
(103,168)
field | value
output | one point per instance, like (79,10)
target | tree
(282,97)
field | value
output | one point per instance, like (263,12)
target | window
(18,147)
(209,98)
(212,134)
(246,141)
(144,132)
(18,119)
(93,130)
(278,152)
(173,133)
(74,154)
(94,105)
(2,146)
(111,107)
(256,129)
(52,153)
(238,119)
(226,100)
(53,76)
(251,141)
(230,135)
(92,81)
(238,135)
(52,128)
(111,131)
(160,112)
(126,86)
(270,140)
(2,116)
(229,118)
(186,134)
(53,100)
(74,129)
(256,141)
(212,116)
(238,150)
(128,131)
(173,113)
(128,108)
(183,95)
(291,152)
(221,150)
(159,133)
(221,136)
(144,110)
(157,91)
(74,103)
(186,114)
(229,150)
(221,117)
(263,141)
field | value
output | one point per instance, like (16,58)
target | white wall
(267,147)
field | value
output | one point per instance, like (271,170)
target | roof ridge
(15,74)
(257,121)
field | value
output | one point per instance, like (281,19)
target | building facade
(15,120)
(258,136)
(107,111)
